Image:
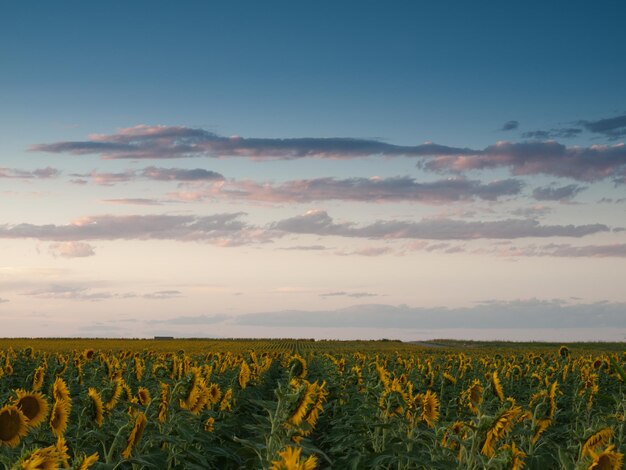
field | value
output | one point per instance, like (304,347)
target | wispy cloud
(613,128)
(72,249)
(154,142)
(163,295)
(532,158)
(510,126)
(531,212)
(369,251)
(526,158)
(74,292)
(305,248)
(376,189)
(554,133)
(193,320)
(134,201)
(221,229)
(150,173)
(355,295)
(560,193)
(40,173)
(530,313)
(318,222)
(562,250)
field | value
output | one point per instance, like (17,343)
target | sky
(344,170)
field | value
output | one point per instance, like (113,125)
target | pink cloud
(72,249)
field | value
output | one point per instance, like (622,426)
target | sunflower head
(97,406)
(59,417)
(13,425)
(60,390)
(430,408)
(290,459)
(33,405)
(38,377)
(608,459)
(88,461)
(144,396)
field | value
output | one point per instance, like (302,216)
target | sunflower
(318,406)
(244,375)
(59,417)
(135,435)
(13,425)
(62,450)
(290,460)
(33,405)
(449,377)
(203,399)
(298,367)
(164,403)
(144,396)
(517,456)
(608,459)
(305,400)
(214,393)
(38,377)
(597,439)
(60,391)
(473,396)
(88,461)
(552,396)
(41,459)
(227,401)
(496,386)
(430,408)
(115,394)
(208,424)
(500,427)
(97,412)
(542,425)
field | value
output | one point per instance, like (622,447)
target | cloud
(306,248)
(554,133)
(2,301)
(156,142)
(532,158)
(617,250)
(608,200)
(134,201)
(73,292)
(193,320)
(318,222)
(531,313)
(526,158)
(355,295)
(562,193)
(538,210)
(369,251)
(72,249)
(150,173)
(40,173)
(163,295)
(376,189)
(510,126)
(222,229)
(613,128)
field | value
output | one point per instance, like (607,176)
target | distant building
(163,337)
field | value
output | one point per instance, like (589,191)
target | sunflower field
(287,404)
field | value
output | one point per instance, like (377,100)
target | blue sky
(122,115)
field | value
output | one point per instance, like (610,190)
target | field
(303,404)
